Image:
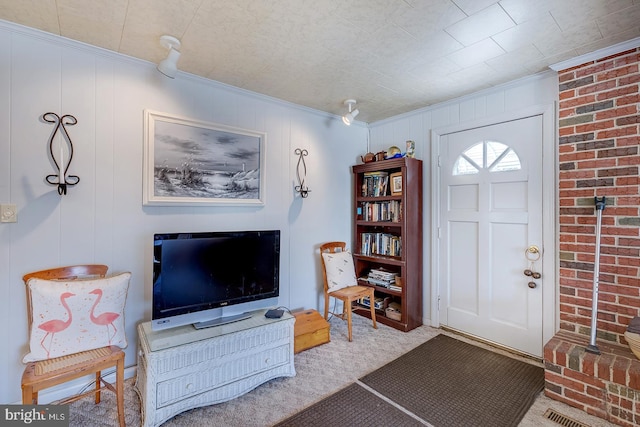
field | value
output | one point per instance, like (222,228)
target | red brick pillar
(599,138)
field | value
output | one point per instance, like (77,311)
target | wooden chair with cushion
(57,296)
(340,282)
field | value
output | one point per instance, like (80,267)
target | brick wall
(599,139)
(599,119)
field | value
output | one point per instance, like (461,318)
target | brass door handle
(533,253)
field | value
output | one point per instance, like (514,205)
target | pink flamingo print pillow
(70,316)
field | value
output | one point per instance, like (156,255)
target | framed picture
(194,163)
(396,183)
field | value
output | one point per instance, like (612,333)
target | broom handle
(600,204)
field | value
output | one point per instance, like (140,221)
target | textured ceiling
(392,56)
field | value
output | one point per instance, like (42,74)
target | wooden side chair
(340,282)
(43,371)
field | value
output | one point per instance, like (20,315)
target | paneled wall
(102,219)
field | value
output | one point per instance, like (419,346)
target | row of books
(382,211)
(375,184)
(380,244)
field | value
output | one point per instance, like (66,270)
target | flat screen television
(211,278)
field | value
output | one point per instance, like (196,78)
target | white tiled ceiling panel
(392,56)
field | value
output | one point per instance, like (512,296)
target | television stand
(184,368)
(222,320)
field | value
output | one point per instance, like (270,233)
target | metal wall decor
(301,173)
(61,179)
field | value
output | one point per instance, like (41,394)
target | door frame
(549,200)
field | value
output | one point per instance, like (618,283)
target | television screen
(194,273)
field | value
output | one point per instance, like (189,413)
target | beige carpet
(320,372)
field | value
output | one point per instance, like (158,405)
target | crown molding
(596,55)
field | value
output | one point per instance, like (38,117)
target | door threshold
(490,345)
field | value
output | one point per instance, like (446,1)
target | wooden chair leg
(29,397)
(326,306)
(98,384)
(349,311)
(120,390)
(373,310)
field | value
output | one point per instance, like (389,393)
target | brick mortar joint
(608,361)
(607,412)
(623,391)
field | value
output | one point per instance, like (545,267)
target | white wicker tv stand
(185,368)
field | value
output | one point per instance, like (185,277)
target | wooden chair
(347,294)
(48,373)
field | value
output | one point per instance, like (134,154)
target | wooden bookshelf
(388,237)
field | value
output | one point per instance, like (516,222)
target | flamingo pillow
(70,316)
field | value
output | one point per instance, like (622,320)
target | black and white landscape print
(197,163)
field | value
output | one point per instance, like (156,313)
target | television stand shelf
(185,368)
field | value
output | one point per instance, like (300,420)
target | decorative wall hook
(61,179)
(302,173)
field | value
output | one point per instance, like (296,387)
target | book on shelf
(378,282)
(375,184)
(378,302)
(381,277)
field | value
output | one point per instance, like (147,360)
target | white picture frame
(195,163)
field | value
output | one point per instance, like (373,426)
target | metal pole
(592,347)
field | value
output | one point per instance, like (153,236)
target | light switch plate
(8,213)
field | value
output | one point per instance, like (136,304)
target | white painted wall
(102,219)
(485,106)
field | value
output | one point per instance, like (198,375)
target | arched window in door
(491,155)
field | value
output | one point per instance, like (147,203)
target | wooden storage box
(310,330)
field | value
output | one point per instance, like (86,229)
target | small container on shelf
(393,311)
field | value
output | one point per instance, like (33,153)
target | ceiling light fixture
(169,66)
(351,115)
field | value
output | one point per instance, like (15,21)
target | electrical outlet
(8,213)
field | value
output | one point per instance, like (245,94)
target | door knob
(532,253)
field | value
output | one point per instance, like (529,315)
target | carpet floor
(320,372)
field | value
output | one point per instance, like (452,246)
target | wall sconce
(351,115)
(302,173)
(61,179)
(169,66)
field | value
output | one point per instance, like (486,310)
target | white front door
(490,215)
